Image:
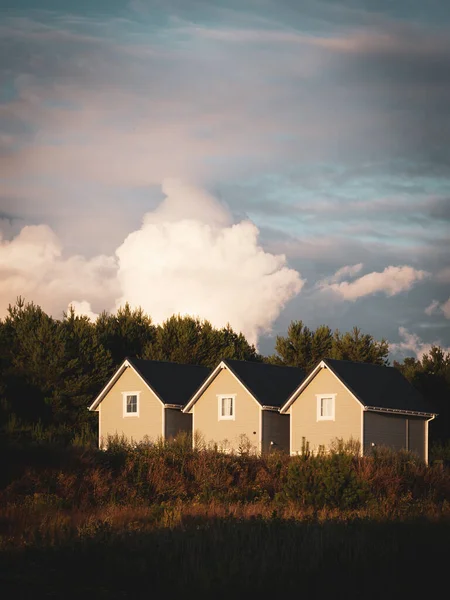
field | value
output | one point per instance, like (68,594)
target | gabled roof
(270,385)
(173,383)
(376,387)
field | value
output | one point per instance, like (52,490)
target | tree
(125,333)
(32,348)
(84,368)
(360,347)
(295,350)
(431,376)
(189,340)
(304,348)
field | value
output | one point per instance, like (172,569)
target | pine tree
(360,347)
(125,333)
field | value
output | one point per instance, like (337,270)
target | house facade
(369,404)
(143,400)
(238,406)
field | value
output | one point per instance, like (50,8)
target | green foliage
(359,347)
(189,340)
(125,333)
(327,480)
(32,350)
(304,348)
(431,376)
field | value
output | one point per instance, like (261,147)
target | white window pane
(227,407)
(327,407)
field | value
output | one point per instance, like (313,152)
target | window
(130,404)
(325,407)
(227,406)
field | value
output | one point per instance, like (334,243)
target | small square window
(130,404)
(325,407)
(227,406)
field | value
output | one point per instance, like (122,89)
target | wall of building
(227,434)
(305,427)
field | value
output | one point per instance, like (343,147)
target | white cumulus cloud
(32,265)
(83,308)
(188,258)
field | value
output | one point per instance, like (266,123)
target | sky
(249,162)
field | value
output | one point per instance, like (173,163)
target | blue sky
(325,126)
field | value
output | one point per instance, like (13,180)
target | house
(144,398)
(240,402)
(372,404)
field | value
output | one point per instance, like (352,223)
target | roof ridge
(255,362)
(358,362)
(167,362)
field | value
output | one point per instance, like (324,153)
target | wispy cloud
(436,307)
(347,271)
(412,345)
(391,281)
(432,308)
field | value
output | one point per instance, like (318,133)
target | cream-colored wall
(226,433)
(304,423)
(148,423)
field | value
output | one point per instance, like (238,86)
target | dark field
(220,558)
(166,520)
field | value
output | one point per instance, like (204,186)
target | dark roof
(378,386)
(174,383)
(271,385)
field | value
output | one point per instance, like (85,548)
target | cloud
(445,308)
(412,344)
(310,108)
(83,308)
(348,270)
(32,265)
(188,257)
(436,307)
(391,281)
(432,308)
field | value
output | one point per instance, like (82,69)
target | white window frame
(124,402)
(321,397)
(220,397)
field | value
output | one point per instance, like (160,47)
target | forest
(51,369)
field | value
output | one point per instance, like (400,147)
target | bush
(330,481)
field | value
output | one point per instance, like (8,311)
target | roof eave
(399,411)
(188,406)
(125,364)
(285,407)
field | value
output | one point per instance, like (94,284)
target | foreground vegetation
(164,518)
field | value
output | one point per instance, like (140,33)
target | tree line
(51,369)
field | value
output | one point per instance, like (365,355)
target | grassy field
(142,522)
